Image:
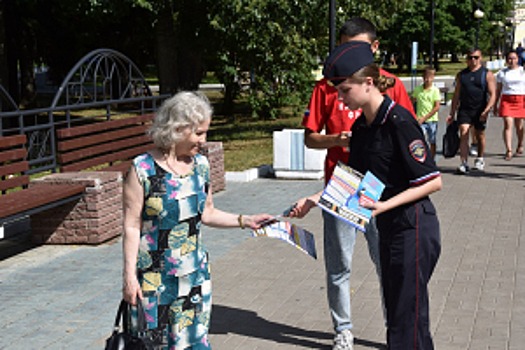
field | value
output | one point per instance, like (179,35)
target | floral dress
(172,265)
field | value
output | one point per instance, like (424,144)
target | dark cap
(347,59)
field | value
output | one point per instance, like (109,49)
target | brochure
(345,193)
(290,233)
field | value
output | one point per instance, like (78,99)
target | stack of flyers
(347,192)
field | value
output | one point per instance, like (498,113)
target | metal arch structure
(103,75)
(103,79)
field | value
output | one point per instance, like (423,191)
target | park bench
(111,146)
(17,198)
(105,146)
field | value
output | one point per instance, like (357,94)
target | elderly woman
(167,196)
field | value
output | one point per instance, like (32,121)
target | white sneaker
(473,150)
(462,169)
(479,164)
(344,340)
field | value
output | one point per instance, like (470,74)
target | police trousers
(409,250)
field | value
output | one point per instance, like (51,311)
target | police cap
(346,59)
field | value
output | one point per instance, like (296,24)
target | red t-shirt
(325,111)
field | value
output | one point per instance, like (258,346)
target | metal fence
(103,80)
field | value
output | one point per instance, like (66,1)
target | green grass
(248,142)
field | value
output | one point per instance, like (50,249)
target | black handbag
(451,140)
(122,339)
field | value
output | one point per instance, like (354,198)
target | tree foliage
(271,44)
(277,54)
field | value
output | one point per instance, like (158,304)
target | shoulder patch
(418,151)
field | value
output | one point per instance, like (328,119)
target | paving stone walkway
(268,295)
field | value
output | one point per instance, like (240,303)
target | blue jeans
(339,241)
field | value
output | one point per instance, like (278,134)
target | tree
(272,43)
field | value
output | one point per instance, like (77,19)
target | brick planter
(95,218)
(215,154)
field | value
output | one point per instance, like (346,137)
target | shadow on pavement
(226,319)
(17,240)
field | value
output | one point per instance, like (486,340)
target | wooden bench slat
(123,167)
(15,154)
(11,141)
(102,126)
(104,146)
(13,182)
(94,151)
(97,139)
(122,155)
(14,168)
(34,197)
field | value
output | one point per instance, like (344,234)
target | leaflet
(345,193)
(291,234)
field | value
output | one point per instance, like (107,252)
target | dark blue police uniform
(393,148)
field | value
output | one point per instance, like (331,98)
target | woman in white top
(510,94)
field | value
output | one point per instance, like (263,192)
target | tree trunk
(166,49)
(12,31)
(190,73)
(26,62)
(3,53)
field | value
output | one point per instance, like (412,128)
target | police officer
(388,141)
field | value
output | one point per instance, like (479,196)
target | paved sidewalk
(268,295)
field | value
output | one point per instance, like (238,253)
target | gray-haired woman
(167,196)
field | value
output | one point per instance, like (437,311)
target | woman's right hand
(131,289)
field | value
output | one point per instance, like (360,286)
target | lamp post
(331,15)
(478,14)
(432,14)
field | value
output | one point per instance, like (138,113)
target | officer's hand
(377,207)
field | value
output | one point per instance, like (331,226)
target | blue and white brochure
(347,191)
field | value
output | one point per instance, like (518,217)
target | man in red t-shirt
(326,111)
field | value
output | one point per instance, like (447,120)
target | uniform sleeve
(417,160)
(313,118)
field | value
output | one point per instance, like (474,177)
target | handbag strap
(123,314)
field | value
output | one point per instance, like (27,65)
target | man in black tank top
(474,97)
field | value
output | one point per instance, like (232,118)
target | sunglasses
(473,57)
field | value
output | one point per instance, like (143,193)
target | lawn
(248,142)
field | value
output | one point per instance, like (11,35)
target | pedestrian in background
(519,52)
(167,197)
(510,102)
(474,97)
(428,100)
